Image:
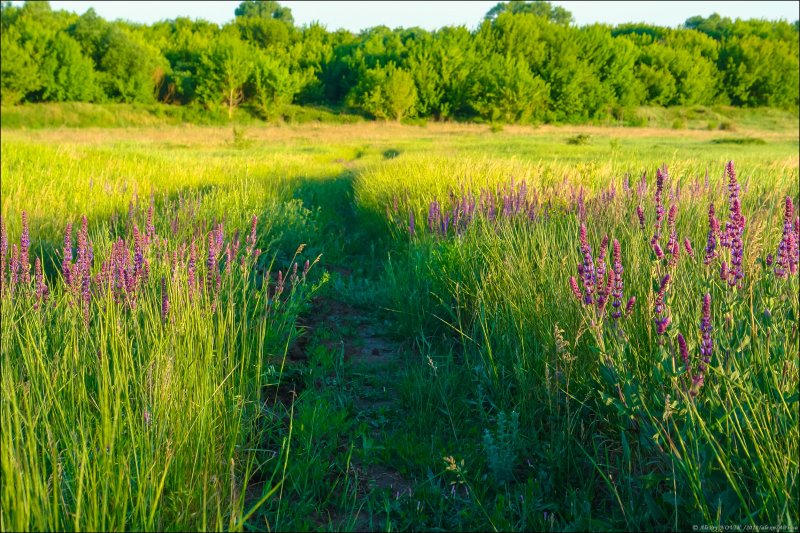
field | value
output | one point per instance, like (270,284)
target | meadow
(383,326)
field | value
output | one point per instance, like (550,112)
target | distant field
(116,115)
(406,348)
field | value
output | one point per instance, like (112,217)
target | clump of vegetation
(580,139)
(739,140)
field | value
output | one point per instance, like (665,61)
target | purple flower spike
(713,234)
(66,261)
(640,214)
(684,351)
(164,300)
(191,270)
(41,288)
(588,272)
(723,271)
(657,249)
(706,347)
(618,283)
(785,257)
(687,245)
(662,318)
(251,238)
(211,263)
(573,284)
(3,253)
(24,250)
(629,306)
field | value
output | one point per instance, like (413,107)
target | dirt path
(372,359)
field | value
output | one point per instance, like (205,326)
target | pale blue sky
(430,15)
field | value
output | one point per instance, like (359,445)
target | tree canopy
(524,62)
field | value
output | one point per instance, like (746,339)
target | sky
(430,15)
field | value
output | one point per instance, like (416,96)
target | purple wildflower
(618,283)
(737,245)
(706,346)
(3,253)
(573,284)
(211,263)
(86,297)
(587,272)
(660,176)
(629,306)
(785,257)
(723,271)
(662,318)
(41,288)
(66,261)
(191,275)
(24,250)
(164,300)
(640,214)
(251,238)
(657,249)
(684,351)
(687,245)
(150,229)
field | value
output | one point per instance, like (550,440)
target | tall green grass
(661,457)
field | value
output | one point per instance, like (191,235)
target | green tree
(19,73)
(275,84)
(225,68)
(555,14)
(264,9)
(386,92)
(66,74)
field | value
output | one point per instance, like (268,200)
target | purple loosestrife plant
(211,264)
(3,254)
(673,234)
(662,318)
(640,214)
(687,245)
(629,306)
(587,267)
(573,284)
(252,238)
(684,351)
(659,200)
(785,248)
(66,260)
(706,346)
(24,251)
(191,275)
(617,290)
(737,245)
(164,300)
(41,289)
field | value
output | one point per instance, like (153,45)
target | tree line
(525,62)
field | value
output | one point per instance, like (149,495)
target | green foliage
(67,75)
(525,62)
(386,92)
(225,68)
(19,73)
(502,447)
(274,85)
